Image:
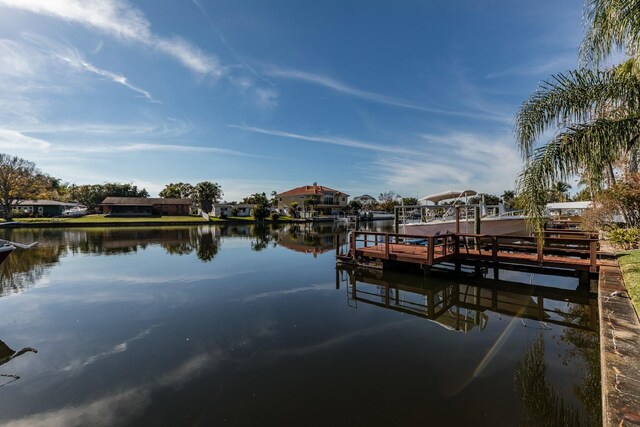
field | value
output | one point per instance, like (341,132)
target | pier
(376,249)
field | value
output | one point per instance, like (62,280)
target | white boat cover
(451,194)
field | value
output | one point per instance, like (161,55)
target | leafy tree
(409,201)
(293,209)
(92,195)
(559,192)
(387,201)
(257,199)
(354,207)
(509,199)
(178,190)
(489,199)
(262,205)
(19,179)
(207,193)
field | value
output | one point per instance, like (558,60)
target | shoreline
(62,224)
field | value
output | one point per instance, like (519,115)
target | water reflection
(463,306)
(164,327)
(24,268)
(7,354)
(472,305)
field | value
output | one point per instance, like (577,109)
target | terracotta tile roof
(144,201)
(309,190)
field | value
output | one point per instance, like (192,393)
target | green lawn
(630,266)
(102,218)
(159,219)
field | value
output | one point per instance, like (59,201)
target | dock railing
(433,249)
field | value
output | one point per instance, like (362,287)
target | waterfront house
(45,208)
(144,206)
(228,209)
(314,198)
(365,200)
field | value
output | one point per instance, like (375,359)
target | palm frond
(610,25)
(578,96)
(587,148)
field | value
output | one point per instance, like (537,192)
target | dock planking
(574,253)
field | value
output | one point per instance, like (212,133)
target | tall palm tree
(207,193)
(597,112)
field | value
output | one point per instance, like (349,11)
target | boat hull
(5,251)
(493,226)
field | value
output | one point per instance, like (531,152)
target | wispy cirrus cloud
(11,140)
(345,142)
(540,67)
(75,60)
(121,20)
(450,160)
(349,90)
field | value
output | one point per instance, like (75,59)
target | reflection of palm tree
(207,247)
(543,405)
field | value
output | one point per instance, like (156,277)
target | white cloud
(333,84)
(76,61)
(118,408)
(11,140)
(485,163)
(346,142)
(121,20)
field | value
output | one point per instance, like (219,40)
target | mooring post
(352,238)
(593,256)
(457,219)
(476,220)
(396,220)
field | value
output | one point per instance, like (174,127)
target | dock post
(593,256)
(476,220)
(457,219)
(352,238)
(396,220)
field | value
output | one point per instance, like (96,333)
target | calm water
(248,326)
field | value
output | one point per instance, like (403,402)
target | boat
(7,247)
(5,251)
(75,211)
(376,215)
(434,219)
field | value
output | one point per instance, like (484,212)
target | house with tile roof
(314,198)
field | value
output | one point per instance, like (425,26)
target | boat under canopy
(447,195)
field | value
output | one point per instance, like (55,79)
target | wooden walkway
(574,253)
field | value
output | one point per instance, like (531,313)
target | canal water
(246,325)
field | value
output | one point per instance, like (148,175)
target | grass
(102,218)
(630,266)
(153,219)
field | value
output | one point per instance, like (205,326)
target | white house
(241,209)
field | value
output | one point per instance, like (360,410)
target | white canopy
(569,205)
(451,194)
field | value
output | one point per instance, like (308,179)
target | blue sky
(363,96)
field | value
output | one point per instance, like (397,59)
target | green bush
(274,216)
(625,238)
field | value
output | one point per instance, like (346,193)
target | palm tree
(559,192)
(207,193)
(596,111)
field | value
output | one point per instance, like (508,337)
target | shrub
(274,216)
(222,216)
(625,238)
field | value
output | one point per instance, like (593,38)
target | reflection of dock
(377,249)
(461,307)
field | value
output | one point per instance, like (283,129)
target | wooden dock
(577,253)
